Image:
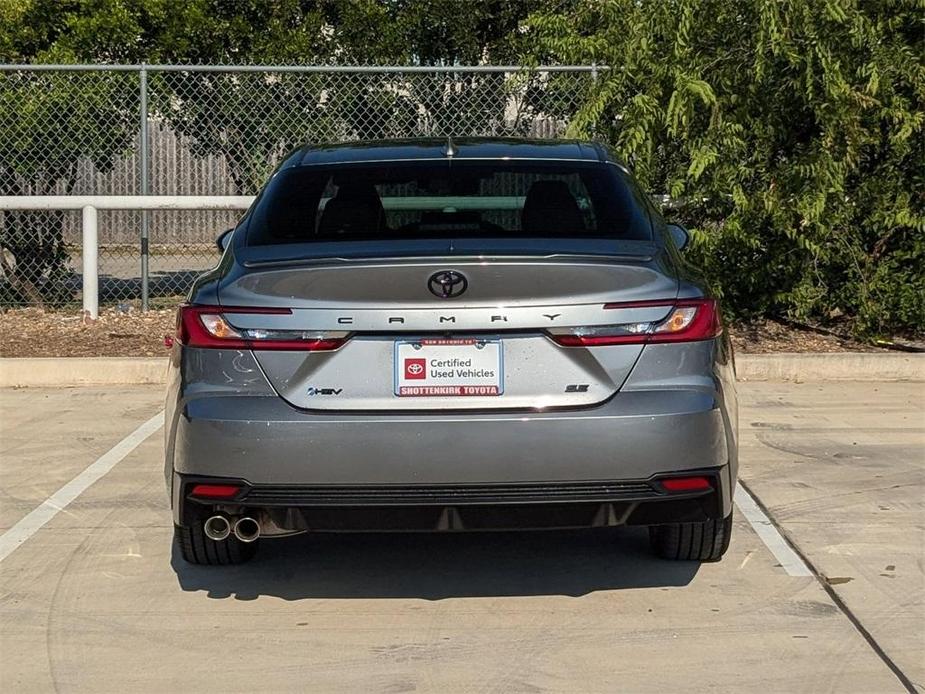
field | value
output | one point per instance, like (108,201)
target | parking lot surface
(96,600)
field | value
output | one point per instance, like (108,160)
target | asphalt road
(96,601)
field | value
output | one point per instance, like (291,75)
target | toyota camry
(450,335)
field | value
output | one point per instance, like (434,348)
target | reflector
(686,484)
(215,491)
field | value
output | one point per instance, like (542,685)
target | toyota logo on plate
(447,283)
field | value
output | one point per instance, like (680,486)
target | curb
(832,366)
(82,371)
(784,366)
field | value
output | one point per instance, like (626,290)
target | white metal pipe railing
(126,202)
(89,204)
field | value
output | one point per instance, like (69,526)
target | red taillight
(215,491)
(705,325)
(206,327)
(688,320)
(686,484)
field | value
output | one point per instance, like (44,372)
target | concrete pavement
(841,468)
(96,600)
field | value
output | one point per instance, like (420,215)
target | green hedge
(797,127)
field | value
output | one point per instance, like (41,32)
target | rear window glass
(415,200)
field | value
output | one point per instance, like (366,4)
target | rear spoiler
(399,250)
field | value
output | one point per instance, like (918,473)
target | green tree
(252,119)
(792,130)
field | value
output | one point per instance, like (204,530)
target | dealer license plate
(448,368)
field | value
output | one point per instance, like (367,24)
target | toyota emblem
(447,283)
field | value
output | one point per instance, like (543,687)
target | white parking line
(58,501)
(770,535)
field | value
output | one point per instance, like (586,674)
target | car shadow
(438,566)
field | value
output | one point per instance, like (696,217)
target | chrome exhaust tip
(217,528)
(246,529)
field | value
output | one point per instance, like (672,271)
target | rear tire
(196,548)
(706,541)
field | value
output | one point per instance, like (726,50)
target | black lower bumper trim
(444,495)
(495,517)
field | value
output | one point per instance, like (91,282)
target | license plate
(448,368)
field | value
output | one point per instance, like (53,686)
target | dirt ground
(129,332)
(35,333)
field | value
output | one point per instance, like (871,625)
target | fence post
(143,175)
(91,285)
(594,129)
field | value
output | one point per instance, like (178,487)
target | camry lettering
(448,318)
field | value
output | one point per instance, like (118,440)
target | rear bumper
(287,508)
(594,461)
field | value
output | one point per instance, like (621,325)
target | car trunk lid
(488,341)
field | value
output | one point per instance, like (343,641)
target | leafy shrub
(794,130)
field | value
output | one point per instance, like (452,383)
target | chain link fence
(201,130)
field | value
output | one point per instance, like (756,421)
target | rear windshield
(458,199)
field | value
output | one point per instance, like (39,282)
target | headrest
(354,209)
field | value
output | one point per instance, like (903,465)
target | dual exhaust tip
(219,528)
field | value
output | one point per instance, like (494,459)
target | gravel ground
(131,333)
(770,336)
(35,333)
